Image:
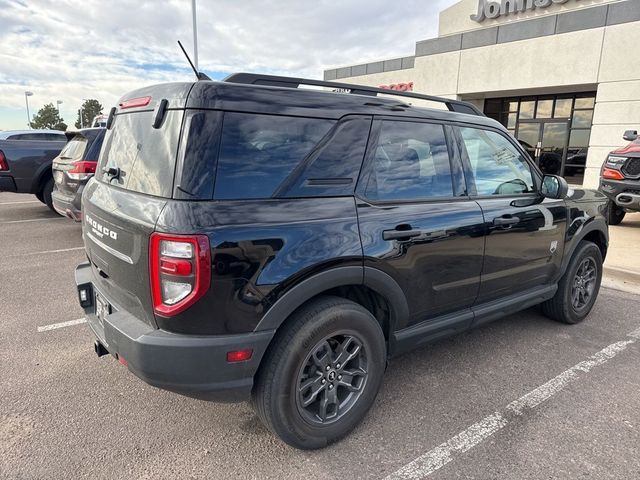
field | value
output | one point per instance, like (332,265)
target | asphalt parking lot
(522,398)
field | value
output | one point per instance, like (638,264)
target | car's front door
(524,232)
(417,223)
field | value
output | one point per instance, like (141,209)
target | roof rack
(292,82)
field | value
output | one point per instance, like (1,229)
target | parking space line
(438,457)
(33,220)
(54,326)
(18,203)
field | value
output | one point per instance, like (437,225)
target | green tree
(90,108)
(48,117)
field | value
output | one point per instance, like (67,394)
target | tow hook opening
(100,349)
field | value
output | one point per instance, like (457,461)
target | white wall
(618,99)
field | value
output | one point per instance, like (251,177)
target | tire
(615,214)
(40,197)
(300,355)
(46,194)
(562,307)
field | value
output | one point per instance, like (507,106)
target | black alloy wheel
(332,378)
(584,284)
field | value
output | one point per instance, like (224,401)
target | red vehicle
(620,179)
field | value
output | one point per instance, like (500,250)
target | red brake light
(175,266)
(135,102)
(180,271)
(612,174)
(3,161)
(83,166)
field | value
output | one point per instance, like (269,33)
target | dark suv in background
(620,179)
(248,239)
(73,168)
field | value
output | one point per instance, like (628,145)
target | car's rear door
(416,222)
(524,232)
(122,203)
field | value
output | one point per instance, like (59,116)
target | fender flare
(308,288)
(596,224)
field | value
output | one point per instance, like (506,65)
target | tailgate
(116,226)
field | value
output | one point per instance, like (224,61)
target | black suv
(249,239)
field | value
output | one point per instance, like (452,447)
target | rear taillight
(180,269)
(82,169)
(3,161)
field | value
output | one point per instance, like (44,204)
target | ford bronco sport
(252,240)
(620,179)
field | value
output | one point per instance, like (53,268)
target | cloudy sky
(73,49)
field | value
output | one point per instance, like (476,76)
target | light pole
(195,35)
(82,113)
(26,99)
(58,102)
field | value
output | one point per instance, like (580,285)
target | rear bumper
(624,193)
(191,365)
(7,184)
(68,205)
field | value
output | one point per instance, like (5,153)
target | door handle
(505,220)
(401,232)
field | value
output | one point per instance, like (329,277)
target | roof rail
(292,82)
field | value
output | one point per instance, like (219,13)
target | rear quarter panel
(260,249)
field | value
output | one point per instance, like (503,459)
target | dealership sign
(399,87)
(506,7)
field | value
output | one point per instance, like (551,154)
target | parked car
(248,239)
(73,168)
(620,179)
(53,135)
(99,121)
(25,161)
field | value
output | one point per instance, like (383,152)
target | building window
(550,126)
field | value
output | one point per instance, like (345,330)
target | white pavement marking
(441,455)
(54,326)
(16,203)
(33,220)
(60,250)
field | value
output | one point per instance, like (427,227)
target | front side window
(497,167)
(410,162)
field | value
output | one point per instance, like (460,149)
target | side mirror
(554,186)
(630,135)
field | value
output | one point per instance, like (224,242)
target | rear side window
(332,168)
(410,161)
(93,152)
(146,156)
(257,152)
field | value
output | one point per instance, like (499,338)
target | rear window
(146,156)
(74,149)
(257,152)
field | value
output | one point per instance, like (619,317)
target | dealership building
(562,75)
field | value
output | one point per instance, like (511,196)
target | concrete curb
(622,274)
(621,279)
